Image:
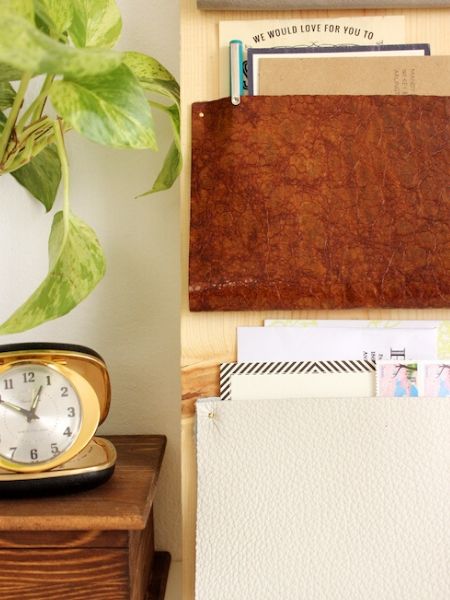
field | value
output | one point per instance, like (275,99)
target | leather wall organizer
(315,4)
(320,202)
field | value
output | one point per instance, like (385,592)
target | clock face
(40,413)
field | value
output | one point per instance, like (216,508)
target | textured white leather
(323,499)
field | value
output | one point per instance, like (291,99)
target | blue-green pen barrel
(236,77)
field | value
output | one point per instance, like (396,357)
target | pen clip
(236,80)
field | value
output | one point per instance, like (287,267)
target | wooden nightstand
(94,545)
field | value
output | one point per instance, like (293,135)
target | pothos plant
(84,85)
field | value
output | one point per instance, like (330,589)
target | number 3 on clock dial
(40,413)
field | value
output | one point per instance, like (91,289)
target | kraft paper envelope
(323,498)
(398,75)
(325,379)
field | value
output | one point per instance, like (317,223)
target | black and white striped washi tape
(291,368)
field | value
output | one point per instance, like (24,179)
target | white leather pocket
(323,499)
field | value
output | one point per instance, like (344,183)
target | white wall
(132,318)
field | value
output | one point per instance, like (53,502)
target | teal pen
(236,77)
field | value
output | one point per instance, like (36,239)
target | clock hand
(19,409)
(32,412)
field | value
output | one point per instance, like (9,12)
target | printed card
(429,378)
(397,379)
(435,379)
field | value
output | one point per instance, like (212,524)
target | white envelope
(356,323)
(268,344)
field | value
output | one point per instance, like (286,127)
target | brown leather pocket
(320,202)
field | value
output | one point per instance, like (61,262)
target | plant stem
(37,145)
(12,117)
(14,154)
(43,96)
(37,106)
(43,123)
(59,140)
(41,136)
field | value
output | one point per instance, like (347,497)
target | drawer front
(69,574)
(63,539)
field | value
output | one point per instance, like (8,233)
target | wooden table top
(124,502)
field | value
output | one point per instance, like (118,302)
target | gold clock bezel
(94,406)
(89,366)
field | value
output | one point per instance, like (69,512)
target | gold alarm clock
(53,397)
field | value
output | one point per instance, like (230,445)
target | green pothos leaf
(174,113)
(96,23)
(8,73)
(41,176)
(24,47)
(23,8)
(56,14)
(169,172)
(155,78)
(109,109)
(173,162)
(152,75)
(77,264)
(7,95)
(14,8)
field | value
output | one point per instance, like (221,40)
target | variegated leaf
(24,47)
(169,172)
(152,75)
(173,162)
(77,264)
(41,176)
(56,14)
(96,23)
(7,95)
(174,113)
(22,8)
(110,109)
(8,73)
(155,78)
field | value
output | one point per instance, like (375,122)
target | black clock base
(90,468)
(51,486)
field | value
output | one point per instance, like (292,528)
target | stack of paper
(305,33)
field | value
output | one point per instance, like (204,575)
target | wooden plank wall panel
(209,338)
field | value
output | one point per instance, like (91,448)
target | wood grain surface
(123,503)
(210,338)
(140,559)
(96,545)
(73,574)
(63,539)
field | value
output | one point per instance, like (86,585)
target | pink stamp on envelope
(397,379)
(435,379)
